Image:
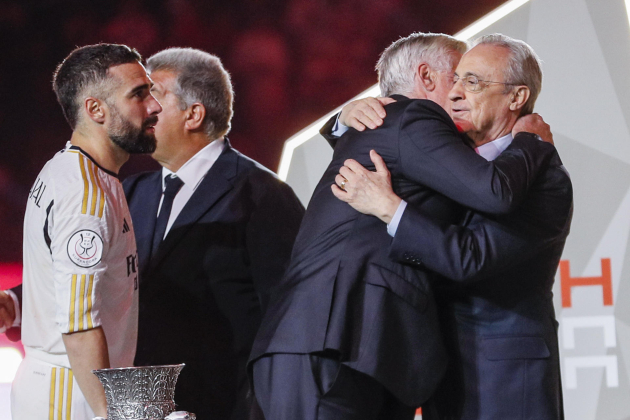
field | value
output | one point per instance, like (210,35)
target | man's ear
(95,109)
(195,115)
(519,98)
(426,77)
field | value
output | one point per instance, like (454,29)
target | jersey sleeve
(79,245)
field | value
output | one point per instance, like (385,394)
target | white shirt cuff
(339,129)
(392,227)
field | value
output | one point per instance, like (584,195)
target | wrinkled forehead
(487,62)
(164,80)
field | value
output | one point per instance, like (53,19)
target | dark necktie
(173,184)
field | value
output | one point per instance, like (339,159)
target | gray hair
(399,62)
(524,66)
(201,78)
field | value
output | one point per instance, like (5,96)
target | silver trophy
(140,393)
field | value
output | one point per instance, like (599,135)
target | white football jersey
(80,260)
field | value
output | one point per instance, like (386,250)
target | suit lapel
(144,214)
(216,183)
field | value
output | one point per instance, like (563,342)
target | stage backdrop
(585,48)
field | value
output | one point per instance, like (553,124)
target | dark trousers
(316,387)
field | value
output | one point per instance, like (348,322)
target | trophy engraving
(140,393)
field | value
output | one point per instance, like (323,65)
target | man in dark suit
(496,310)
(350,333)
(221,240)
(207,264)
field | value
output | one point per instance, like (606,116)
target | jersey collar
(87,155)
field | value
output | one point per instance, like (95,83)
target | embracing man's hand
(533,123)
(366,191)
(364,112)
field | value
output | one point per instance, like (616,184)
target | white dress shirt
(489,151)
(339,128)
(191,173)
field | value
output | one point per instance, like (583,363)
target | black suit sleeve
(458,252)
(433,154)
(271,231)
(487,245)
(18,292)
(326,130)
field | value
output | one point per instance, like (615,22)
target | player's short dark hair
(84,72)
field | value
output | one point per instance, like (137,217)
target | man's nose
(154,106)
(457,92)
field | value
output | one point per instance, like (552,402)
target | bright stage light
(490,18)
(309,132)
(10,359)
(628,10)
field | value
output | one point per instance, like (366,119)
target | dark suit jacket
(202,296)
(342,292)
(498,316)
(18,292)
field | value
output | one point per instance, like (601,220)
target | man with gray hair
(350,333)
(214,231)
(495,302)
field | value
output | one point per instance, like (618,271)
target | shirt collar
(491,150)
(70,146)
(194,170)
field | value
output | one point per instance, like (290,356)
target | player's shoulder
(80,184)
(68,168)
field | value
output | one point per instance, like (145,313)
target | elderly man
(496,311)
(351,334)
(80,285)
(215,231)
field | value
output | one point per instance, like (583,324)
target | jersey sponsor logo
(85,248)
(132,264)
(132,268)
(125,226)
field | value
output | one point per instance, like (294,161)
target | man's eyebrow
(140,88)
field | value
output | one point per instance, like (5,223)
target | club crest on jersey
(85,248)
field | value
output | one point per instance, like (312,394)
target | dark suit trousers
(315,387)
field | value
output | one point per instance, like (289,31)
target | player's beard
(131,139)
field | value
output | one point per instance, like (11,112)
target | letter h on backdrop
(606,322)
